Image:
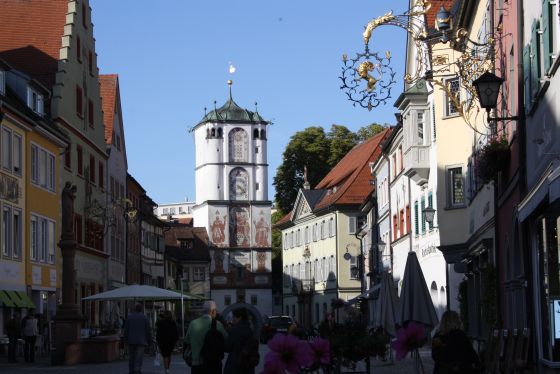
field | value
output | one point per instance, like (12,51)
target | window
(306,235)
(80,156)
(298,237)
(256,133)
(401,222)
(331,227)
(2,82)
(401,157)
(68,157)
(79,104)
(43,168)
(92,169)
(323,234)
(263,134)
(353,266)
(43,239)
(549,23)
(35,101)
(227,300)
(79,49)
(455,187)
(454,89)
(7,230)
(351,225)
(198,273)
(314,232)
(17,232)
(84,15)
(6,149)
(257,186)
(395,227)
(394,158)
(430,202)
(256,150)
(90,113)
(17,153)
(101,175)
(332,269)
(253,299)
(420,126)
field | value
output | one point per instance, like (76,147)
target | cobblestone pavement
(178,366)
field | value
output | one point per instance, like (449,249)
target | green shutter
(527,77)
(547,35)
(416,218)
(422,206)
(535,59)
(430,204)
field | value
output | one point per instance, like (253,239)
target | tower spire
(230,83)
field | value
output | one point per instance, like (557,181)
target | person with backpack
(206,339)
(242,345)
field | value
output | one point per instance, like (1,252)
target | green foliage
(368,131)
(342,140)
(492,158)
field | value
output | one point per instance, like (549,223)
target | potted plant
(492,158)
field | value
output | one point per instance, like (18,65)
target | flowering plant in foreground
(288,354)
(409,338)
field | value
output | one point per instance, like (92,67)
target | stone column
(68,317)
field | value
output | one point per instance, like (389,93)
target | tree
(310,148)
(276,262)
(368,131)
(342,141)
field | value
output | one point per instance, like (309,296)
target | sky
(173,59)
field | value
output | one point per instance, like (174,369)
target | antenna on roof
(215,105)
(256,107)
(205,111)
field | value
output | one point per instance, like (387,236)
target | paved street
(178,366)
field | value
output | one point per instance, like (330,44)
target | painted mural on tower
(261,227)
(240,226)
(218,226)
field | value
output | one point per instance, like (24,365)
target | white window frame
(420,127)
(17,233)
(44,177)
(7,154)
(43,239)
(199,274)
(450,110)
(7,234)
(352,224)
(331,227)
(17,149)
(451,187)
(35,101)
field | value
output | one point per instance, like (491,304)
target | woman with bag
(452,350)
(242,346)
(166,337)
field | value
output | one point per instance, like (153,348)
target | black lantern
(487,88)
(429,214)
(444,23)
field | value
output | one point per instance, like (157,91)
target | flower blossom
(409,338)
(287,353)
(321,351)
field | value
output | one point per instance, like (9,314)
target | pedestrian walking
(138,335)
(13,332)
(452,350)
(166,337)
(203,337)
(30,332)
(242,346)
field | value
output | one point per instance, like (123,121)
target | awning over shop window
(5,300)
(20,299)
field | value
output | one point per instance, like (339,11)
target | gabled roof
(109,85)
(305,202)
(31,34)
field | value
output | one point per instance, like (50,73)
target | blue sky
(172,57)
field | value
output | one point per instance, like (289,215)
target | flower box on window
(492,158)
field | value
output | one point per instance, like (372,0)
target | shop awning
(20,299)
(5,299)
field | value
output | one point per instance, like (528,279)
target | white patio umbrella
(137,292)
(387,305)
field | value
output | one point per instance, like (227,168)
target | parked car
(275,324)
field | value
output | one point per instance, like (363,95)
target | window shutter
(535,60)
(547,35)
(527,77)
(430,202)
(416,218)
(422,206)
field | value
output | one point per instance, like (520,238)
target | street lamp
(487,89)
(429,214)
(444,23)
(360,272)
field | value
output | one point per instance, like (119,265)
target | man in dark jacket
(138,335)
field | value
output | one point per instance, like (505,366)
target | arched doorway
(255,317)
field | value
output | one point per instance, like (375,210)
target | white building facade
(232,204)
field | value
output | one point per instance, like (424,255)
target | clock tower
(231,173)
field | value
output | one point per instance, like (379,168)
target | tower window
(263,134)
(220,132)
(213,133)
(256,133)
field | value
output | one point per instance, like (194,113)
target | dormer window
(2,82)
(35,101)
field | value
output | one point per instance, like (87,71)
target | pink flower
(322,351)
(287,353)
(408,339)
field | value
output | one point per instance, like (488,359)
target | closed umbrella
(387,305)
(415,301)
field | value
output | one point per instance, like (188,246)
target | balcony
(303,286)
(417,163)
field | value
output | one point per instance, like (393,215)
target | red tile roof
(31,36)
(109,88)
(348,182)
(432,12)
